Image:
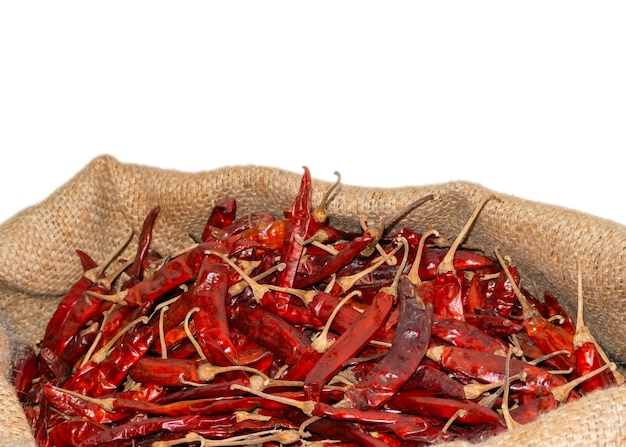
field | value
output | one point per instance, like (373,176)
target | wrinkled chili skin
(346,432)
(409,345)
(136,270)
(24,372)
(448,288)
(503,299)
(56,337)
(463,334)
(176,272)
(218,425)
(445,408)
(588,359)
(549,337)
(488,368)
(348,344)
(334,263)
(72,433)
(270,331)
(222,215)
(211,319)
(430,377)
(106,376)
(528,412)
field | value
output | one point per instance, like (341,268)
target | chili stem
(347,282)
(562,392)
(190,336)
(321,342)
(413,274)
(510,422)
(282,437)
(307,406)
(95,273)
(101,354)
(447,263)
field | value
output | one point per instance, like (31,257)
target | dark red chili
(349,343)
(222,215)
(465,411)
(409,345)
(487,367)
(136,270)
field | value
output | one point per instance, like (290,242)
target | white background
(527,98)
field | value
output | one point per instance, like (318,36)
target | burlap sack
(93,211)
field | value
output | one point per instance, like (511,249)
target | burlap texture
(95,208)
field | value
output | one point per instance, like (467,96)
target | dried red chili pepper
(350,342)
(292,311)
(285,341)
(97,379)
(24,372)
(488,367)
(408,348)
(334,263)
(588,354)
(430,377)
(555,310)
(448,283)
(136,269)
(211,321)
(346,432)
(503,298)
(222,215)
(218,425)
(463,334)
(464,411)
(493,324)
(547,336)
(72,433)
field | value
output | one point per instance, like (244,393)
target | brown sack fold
(94,210)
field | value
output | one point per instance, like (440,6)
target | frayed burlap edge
(94,210)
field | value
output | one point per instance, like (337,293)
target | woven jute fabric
(94,210)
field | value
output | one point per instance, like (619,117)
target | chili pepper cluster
(289,331)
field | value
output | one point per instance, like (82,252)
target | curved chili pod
(409,345)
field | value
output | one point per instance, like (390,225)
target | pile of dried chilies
(289,331)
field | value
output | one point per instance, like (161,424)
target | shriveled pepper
(408,348)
